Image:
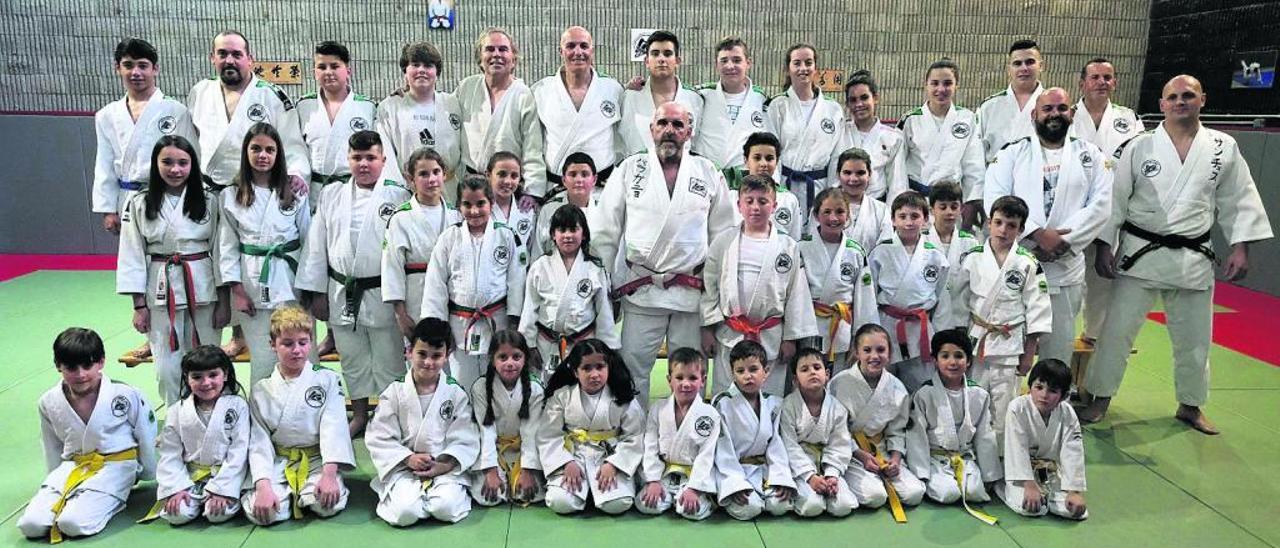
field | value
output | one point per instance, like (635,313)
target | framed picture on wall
(1254,70)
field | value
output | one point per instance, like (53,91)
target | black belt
(326,180)
(1171,241)
(355,288)
(919,187)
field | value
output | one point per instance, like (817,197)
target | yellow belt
(87,466)
(578,436)
(837,312)
(957,466)
(686,469)
(871,445)
(197,472)
(1045,467)
(759,460)
(296,471)
(814,450)
(505,444)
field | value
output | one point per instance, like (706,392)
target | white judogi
(407,125)
(1049,452)
(1081,202)
(840,281)
(568,129)
(328,140)
(937,435)
(946,150)
(222,134)
(566,305)
(992,295)
(522,222)
(962,241)
(511,125)
(817,446)
(204,458)
(272,236)
(718,136)
(912,284)
(681,457)
(544,244)
(307,413)
(590,431)
(509,442)
(637,113)
(123,162)
(153,258)
(665,233)
(473,283)
(401,427)
(781,291)
(759,458)
(120,421)
(787,217)
(1157,192)
(888,150)
(881,414)
(406,251)
(809,145)
(1003,121)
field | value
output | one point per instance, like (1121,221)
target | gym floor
(1151,480)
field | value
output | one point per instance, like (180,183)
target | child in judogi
(99,439)
(476,279)
(1002,289)
(681,437)
(869,219)
(298,440)
(1043,448)
(757,475)
(566,296)
(911,278)
(760,153)
(879,409)
(952,444)
(591,439)
(422,439)
(844,295)
(510,209)
(884,144)
(411,236)
(814,430)
(755,287)
(580,189)
(329,116)
(168,241)
(945,202)
(342,271)
(204,446)
(508,407)
(260,240)
(808,125)
(419,115)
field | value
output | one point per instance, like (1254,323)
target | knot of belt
(578,436)
(475,315)
(992,329)
(838,311)
(563,342)
(904,315)
(296,469)
(326,180)
(197,472)
(276,250)
(871,444)
(1171,241)
(752,329)
(512,468)
(130,185)
(808,178)
(662,280)
(189,289)
(353,289)
(87,466)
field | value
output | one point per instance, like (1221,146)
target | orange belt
(837,312)
(752,329)
(565,341)
(998,329)
(475,315)
(183,261)
(904,315)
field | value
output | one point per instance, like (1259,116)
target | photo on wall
(1255,70)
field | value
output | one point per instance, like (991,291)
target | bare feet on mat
(1095,411)
(234,347)
(1195,418)
(327,346)
(142,352)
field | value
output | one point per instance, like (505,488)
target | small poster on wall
(440,14)
(637,43)
(1254,70)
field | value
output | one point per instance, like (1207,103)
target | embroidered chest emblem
(446,410)
(608,109)
(166,125)
(703,426)
(315,397)
(359,124)
(501,255)
(1014,280)
(961,130)
(931,273)
(1150,168)
(584,288)
(120,406)
(783,264)
(256,112)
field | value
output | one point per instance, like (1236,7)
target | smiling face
(426,362)
(907,222)
(749,375)
(860,103)
(854,177)
(1024,67)
(475,208)
(206,385)
(505,179)
(230,57)
(592,373)
(421,77)
(940,87)
(577,49)
(428,181)
(568,242)
(262,151)
(508,362)
(833,217)
(686,381)
(952,364)
(175,167)
(81,380)
(292,347)
(801,66)
(497,55)
(1053,115)
(138,75)
(733,66)
(873,354)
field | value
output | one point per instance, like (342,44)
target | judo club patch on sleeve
(315,397)
(230,419)
(120,406)
(1014,280)
(446,410)
(703,426)
(931,273)
(961,130)
(501,255)
(584,288)
(783,264)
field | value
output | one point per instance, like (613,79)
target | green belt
(273,250)
(325,180)
(354,288)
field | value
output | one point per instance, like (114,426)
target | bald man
(667,206)
(579,109)
(1066,183)
(1171,185)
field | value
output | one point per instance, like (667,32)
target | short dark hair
(1084,70)
(434,332)
(1012,207)
(807,352)
(944,63)
(853,153)
(761,138)
(730,42)
(1054,373)
(662,36)
(910,198)
(78,347)
(579,158)
(757,183)
(233,32)
(955,336)
(686,355)
(476,182)
(329,47)
(364,140)
(421,52)
(1024,44)
(748,349)
(945,191)
(136,48)
(863,77)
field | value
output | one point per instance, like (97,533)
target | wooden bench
(130,361)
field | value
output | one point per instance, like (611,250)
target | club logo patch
(230,419)
(783,216)
(828,126)
(446,410)
(120,406)
(315,397)
(1121,125)
(166,125)
(608,109)
(783,264)
(455,122)
(931,273)
(846,272)
(523,227)
(1086,160)
(1014,280)
(584,288)
(291,209)
(386,210)
(256,112)
(359,124)
(703,426)
(501,255)
(757,119)
(698,186)
(1150,168)
(961,130)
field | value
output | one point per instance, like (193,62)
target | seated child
(680,440)
(1043,448)
(757,477)
(814,429)
(508,408)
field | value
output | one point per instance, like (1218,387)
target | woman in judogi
(808,124)
(942,138)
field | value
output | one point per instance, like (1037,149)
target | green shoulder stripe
(306,96)
(853,244)
(966,234)
(929,245)
(971,382)
(365,98)
(759,90)
(406,206)
(448,379)
(1000,93)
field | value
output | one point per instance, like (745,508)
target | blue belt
(130,185)
(919,187)
(809,178)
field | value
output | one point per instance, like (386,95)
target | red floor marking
(12,266)
(1247,328)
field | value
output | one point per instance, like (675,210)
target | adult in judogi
(419,115)
(732,108)
(127,129)
(1066,183)
(668,206)
(942,140)
(1106,125)
(1006,116)
(578,109)
(329,116)
(808,125)
(1172,184)
(884,143)
(662,61)
(498,113)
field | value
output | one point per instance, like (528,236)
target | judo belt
(661,280)
(326,180)
(838,311)
(197,472)
(87,466)
(188,285)
(871,444)
(957,466)
(277,250)
(1171,241)
(809,178)
(758,460)
(814,450)
(997,329)
(919,187)
(904,315)
(1043,469)
(578,436)
(474,315)
(296,470)
(564,341)
(512,468)
(415,268)
(130,185)
(752,329)
(353,289)
(558,181)
(685,470)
